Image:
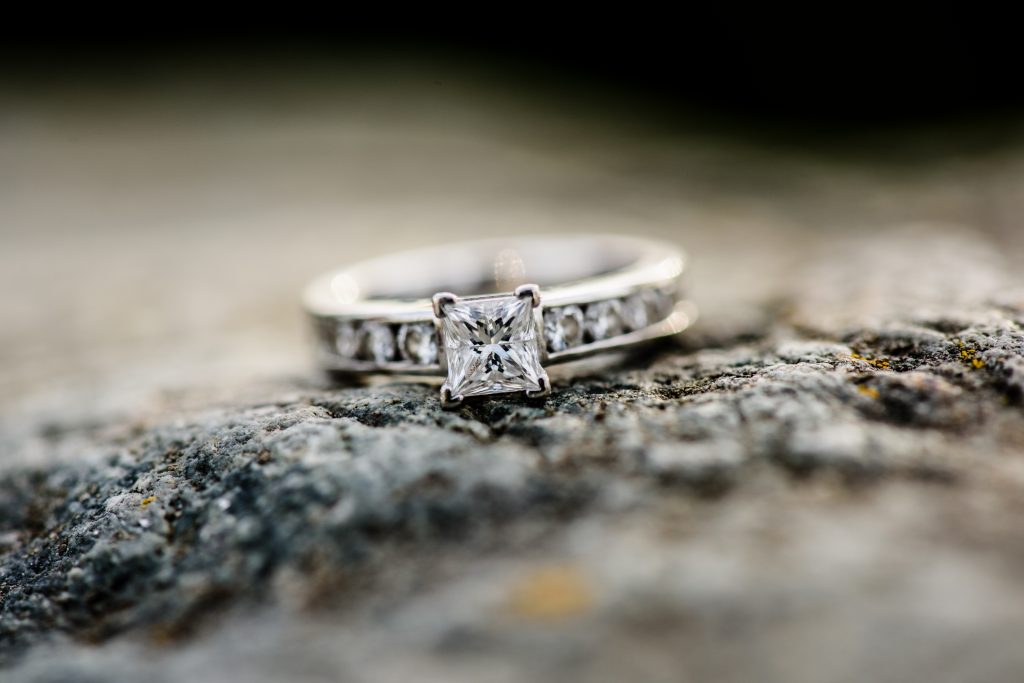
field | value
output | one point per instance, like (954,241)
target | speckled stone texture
(824,480)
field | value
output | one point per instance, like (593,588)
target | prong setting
(530,291)
(442,300)
(545,387)
(448,400)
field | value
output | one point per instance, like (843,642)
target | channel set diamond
(563,327)
(418,343)
(376,343)
(492,346)
(603,320)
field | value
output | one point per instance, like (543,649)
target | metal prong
(449,402)
(545,387)
(440,300)
(531,291)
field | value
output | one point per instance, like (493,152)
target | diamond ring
(491,315)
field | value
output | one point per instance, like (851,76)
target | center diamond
(492,346)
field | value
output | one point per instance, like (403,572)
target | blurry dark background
(795,70)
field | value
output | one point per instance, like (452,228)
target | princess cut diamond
(491,345)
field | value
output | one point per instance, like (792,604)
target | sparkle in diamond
(491,346)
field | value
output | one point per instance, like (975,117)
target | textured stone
(301,506)
(822,481)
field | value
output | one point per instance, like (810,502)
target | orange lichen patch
(879,363)
(162,636)
(970,356)
(146,501)
(551,594)
(870,392)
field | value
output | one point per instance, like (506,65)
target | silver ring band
(587,294)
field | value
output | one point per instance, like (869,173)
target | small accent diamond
(603,320)
(664,302)
(637,310)
(563,327)
(346,341)
(418,343)
(646,308)
(377,343)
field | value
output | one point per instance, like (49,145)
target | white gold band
(596,293)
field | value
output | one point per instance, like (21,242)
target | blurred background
(163,198)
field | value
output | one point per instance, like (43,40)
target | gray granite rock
(832,488)
(822,481)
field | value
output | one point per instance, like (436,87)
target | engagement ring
(491,315)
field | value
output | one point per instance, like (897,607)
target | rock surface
(823,481)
